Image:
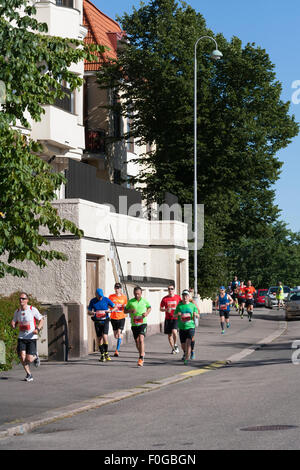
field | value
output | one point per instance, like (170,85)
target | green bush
(8,305)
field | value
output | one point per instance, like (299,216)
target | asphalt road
(250,404)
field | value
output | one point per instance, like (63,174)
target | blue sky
(275,26)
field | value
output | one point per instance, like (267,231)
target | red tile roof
(102,30)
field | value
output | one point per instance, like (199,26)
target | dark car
(259,299)
(292,305)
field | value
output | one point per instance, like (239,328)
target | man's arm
(147,312)
(40,326)
(14,321)
(129,308)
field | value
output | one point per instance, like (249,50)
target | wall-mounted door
(92,279)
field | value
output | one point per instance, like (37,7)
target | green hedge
(8,305)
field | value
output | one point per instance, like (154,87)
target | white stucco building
(115,246)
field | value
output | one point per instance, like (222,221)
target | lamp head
(216,54)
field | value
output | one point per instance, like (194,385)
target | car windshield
(295,296)
(286,290)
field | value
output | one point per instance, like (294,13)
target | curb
(96,402)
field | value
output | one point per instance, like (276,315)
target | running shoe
(183,357)
(193,355)
(37,361)
(228,325)
(140,363)
(107,357)
(116,353)
(28,378)
(222,332)
(186,362)
(173,351)
(102,358)
(176,348)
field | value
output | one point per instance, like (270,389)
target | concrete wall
(152,248)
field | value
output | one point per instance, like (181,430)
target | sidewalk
(63,389)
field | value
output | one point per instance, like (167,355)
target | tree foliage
(242,121)
(269,259)
(32,65)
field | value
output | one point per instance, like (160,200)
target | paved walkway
(63,389)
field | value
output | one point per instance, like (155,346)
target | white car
(270,299)
(292,305)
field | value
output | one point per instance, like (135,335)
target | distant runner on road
(117,316)
(250,291)
(235,290)
(191,291)
(168,305)
(223,302)
(99,309)
(242,299)
(139,309)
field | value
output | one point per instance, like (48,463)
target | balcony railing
(95,140)
(65,3)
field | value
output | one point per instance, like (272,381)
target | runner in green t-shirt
(139,308)
(186,312)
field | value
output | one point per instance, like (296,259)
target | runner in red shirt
(168,305)
(250,291)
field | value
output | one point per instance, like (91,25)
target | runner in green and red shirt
(168,305)
(139,308)
(186,312)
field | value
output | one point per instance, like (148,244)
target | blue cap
(99,292)
(222,288)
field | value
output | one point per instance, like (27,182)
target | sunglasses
(23,298)
(170,288)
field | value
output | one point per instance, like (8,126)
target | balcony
(59,128)
(61,17)
(95,141)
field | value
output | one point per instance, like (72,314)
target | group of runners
(238,295)
(181,313)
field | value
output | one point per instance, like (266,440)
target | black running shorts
(186,334)
(102,327)
(169,326)
(139,330)
(27,345)
(117,324)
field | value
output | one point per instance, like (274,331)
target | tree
(242,121)
(268,263)
(32,64)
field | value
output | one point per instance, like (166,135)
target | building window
(65,3)
(116,116)
(130,141)
(67,103)
(117,176)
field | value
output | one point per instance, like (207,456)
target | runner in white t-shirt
(26,318)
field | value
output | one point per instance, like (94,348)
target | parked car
(270,299)
(292,305)
(259,299)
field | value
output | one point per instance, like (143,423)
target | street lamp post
(215,55)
